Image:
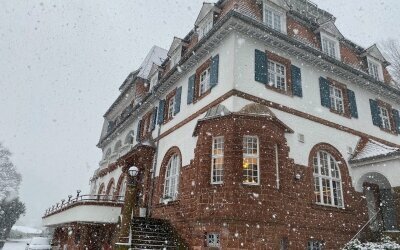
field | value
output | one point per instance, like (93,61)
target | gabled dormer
(175,52)
(274,14)
(330,39)
(375,62)
(154,76)
(205,19)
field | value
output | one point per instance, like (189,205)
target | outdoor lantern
(133,171)
(77,193)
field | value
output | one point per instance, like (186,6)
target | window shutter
(353,103)
(191,82)
(376,117)
(178,96)
(214,74)
(154,119)
(139,131)
(296,81)
(396,117)
(161,108)
(324,89)
(261,69)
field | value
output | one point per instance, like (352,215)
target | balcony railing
(64,204)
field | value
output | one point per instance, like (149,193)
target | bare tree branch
(391,49)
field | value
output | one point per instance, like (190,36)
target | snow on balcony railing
(82,199)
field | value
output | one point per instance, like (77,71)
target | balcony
(101,209)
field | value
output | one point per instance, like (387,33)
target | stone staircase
(149,233)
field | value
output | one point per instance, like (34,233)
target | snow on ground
(27,230)
(16,244)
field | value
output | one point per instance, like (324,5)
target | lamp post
(128,208)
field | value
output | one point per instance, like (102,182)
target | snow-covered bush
(386,243)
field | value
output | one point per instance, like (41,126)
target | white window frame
(205,78)
(206,25)
(375,69)
(217,169)
(251,156)
(153,80)
(276,13)
(319,178)
(275,75)
(172,174)
(385,117)
(315,245)
(176,56)
(337,101)
(122,189)
(336,45)
(213,240)
(171,107)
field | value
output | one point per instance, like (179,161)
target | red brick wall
(349,56)
(142,87)
(256,217)
(296,29)
(247,7)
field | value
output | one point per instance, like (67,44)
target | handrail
(84,198)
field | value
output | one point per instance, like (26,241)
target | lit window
(204,81)
(217,167)
(277,75)
(327,180)
(374,69)
(336,96)
(213,240)
(171,107)
(314,245)
(273,18)
(385,118)
(330,46)
(250,160)
(172,178)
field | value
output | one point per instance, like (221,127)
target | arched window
(172,178)
(129,138)
(327,180)
(102,190)
(108,154)
(117,147)
(122,190)
(110,190)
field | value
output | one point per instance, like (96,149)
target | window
(250,160)
(336,96)
(122,190)
(375,69)
(213,240)
(385,118)
(117,147)
(129,138)
(205,27)
(330,46)
(172,178)
(170,107)
(176,56)
(217,168)
(277,75)
(273,18)
(204,81)
(153,80)
(314,245)
(327,180)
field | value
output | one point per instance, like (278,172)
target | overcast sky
(61,63)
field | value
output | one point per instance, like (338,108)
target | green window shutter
(376,116)
(296,81)
(178,96)
(324,90)
(191,82)
(139,131)
(214,71)
(161,108)
(154,119)
(261,69)
(396,117)
(353,103)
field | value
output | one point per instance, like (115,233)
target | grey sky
(61,63)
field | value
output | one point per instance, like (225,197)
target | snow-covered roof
(156,56)
(373,150)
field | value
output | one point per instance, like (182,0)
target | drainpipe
(153,176)
(277,166)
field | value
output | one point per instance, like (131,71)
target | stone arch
(101,189)
(163,169)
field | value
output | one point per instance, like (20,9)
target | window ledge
(251,184)
(280,91)
(331,208)
(198,98)
(168,202)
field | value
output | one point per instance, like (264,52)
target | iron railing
(112,199)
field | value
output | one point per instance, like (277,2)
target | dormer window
(274,18)
(153,81)
(176,57)
(330,46)
(205,27)
(375,69)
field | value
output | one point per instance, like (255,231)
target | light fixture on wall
(297,176)
(133,171)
